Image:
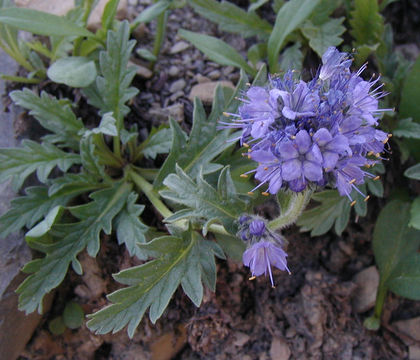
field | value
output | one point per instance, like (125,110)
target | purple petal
(330,159)
(303,141)
(291,169)
(322,137)
(288,151)
(275,183)
(312,171)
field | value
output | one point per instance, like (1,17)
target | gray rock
(179,47)
(202,79)
(205,91)
(414,352)
(161,115)
(141,70)
(367,282)
(410,327)
(279,350)
(214,75)
(173,71)
(177,86)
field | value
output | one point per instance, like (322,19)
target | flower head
(315,133)
(264,247)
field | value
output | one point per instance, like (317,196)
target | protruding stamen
(265,193)
(376,178)
(370,153)
(225,114)
(250,193)
(265,168)
(366,198)
(352,181)
(353,203)
(243,176)
(252,278)
(245,145)
(378,155)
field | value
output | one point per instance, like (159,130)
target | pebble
(279,350)
(214,75)
(410,327)
(205,91)
(176,96)
(202,79)
(414,352)
(241,339)
(173,71)
(367,282)
(177,85)
(228,70)
(179,47)
(141,70)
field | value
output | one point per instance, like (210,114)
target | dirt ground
(309,315)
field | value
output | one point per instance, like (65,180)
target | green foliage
(186,260)
(53,114)
(151,12)
(19,163)
(413,172)
(232,18)
(415,214)
(291,58)
(291,15)
(41,23)
(408,129)
(204,202)
(112,90)
(395,246)
(57,326)
(158,142)
(203,145)
(410,106)
(72,238)
(74,71)
(323,36)
(217,50)
(73,315)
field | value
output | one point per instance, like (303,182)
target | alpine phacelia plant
(312,134)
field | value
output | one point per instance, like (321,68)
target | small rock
(205,91)
(240,339)
(279,349)
(178,47)
(202,79)
(414,352)
(214,75)
(168,345)
(176,96)
(141,70)
(367,282)
(228,70)
(173,71)
(410,327)
(175,111)
(177,86)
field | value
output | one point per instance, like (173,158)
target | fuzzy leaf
(413,172)
(367,24)
(42,158)
(112,90)
(152,12)
(29,209)
(159,142)
(73,184)
(394,241)
(217,50)
(322,36)
(408,129)
(291,58)
(204,201)
(74,71)
(409,106)
(48,272)
(130,230)
(232,18)
(405,280)
(54,115)
(177,261)
(415,214)
(203,145)
(290,16)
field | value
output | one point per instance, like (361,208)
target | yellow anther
(250,193)
(243,175)
(377,155)
(265,193)
(248,84)
(265,168)
(366,198)
(252,278)
(249,156)
(352,181)
(353,203)
(273,287)
(226,114)
(389,135)
(370,153)
(376,177)
(245,145)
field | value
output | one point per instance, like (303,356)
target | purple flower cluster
(313,133)
(264,247)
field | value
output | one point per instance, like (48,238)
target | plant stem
(160,35)
(291,208)
(19,79)
(380,300)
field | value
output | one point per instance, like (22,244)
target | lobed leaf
(48,272)
(158,142)
(367,24)
(413,172)
(73,71)
(232,18)
(42,158)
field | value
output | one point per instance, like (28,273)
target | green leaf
(29,209)
(146,54)
(232,18)
(232,246)
(405,280)
(151,12)
(41,23)
(90,159)
(74,71)
(73,315)
(54,115)
(158,142)
(415,214)
(393,240)
(107,126)
(110,11)
(367,24)
(73,184)
(42,158)
(57,326)
(408,129)
(217,50)
(413,172)
(334,209)
(257,52)
(292,58)
(177,261)
(203,145)
(130,230)
(410,106)
(48,272)
(202,200)
(322,12)
(256,5)
(112,89)
(288,19)
(323,36)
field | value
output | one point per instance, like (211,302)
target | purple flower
(318,133)
(264,247)
(262,255)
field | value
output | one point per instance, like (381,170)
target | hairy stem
(160,34)
(291,206)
